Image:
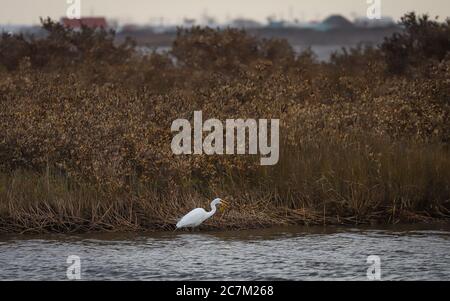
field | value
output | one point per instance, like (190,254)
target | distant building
(336,22)
(368,23)
(91,22)
(189,22)
(245,23)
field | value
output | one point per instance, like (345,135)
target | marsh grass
(327,184)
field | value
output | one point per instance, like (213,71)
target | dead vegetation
(85,131)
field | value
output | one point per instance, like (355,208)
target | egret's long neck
(213,210)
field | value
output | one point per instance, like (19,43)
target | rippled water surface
(406,253)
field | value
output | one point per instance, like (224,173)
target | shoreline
(222,223)
(209,229)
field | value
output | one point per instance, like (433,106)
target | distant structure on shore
(90,22)
(333,22)
(245,23)
(369,23)
(336,22)
(334,32)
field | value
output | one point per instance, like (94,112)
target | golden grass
(327,186)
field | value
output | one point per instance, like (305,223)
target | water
(406,253)
(322,52)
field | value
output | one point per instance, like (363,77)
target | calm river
(294,253)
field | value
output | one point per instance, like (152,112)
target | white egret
(199,215)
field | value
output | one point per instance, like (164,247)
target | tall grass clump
(85,130)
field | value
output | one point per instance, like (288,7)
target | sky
(174,11)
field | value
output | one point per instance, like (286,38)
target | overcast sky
(173,11)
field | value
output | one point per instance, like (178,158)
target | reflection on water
(411,253)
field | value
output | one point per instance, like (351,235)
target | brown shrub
(422,40)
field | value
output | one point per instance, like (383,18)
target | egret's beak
(224,204)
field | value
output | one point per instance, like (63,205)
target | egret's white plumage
(198,215)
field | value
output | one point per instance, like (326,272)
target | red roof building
(91,22)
